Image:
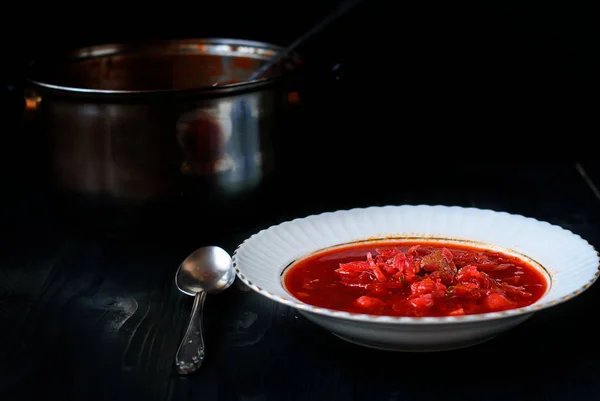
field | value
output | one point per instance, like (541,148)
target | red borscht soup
(415,279)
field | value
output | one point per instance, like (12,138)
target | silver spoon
(342,9)
(206,270)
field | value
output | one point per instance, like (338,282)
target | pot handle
(22,103)
(317,85)
(33,101)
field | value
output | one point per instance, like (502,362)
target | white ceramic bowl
(570,264)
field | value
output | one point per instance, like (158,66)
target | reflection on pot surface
(203,143)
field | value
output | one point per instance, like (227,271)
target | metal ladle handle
(191,350)
(342,9)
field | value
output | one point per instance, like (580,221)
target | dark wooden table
(84,317)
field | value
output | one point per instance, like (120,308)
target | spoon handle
(344,7)
(191,350)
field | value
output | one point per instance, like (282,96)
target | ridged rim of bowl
(382,319)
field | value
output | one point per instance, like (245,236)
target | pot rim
(222,46)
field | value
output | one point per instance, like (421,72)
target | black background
(496,67)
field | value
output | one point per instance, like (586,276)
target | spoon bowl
(206,269)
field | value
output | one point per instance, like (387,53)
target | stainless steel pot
(133,126)
(143,122)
